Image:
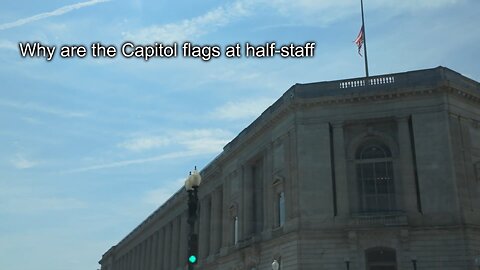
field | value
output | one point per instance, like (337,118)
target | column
(175,244)
(136,257)
(154,252)
(160,248)
(115,263)
(268,192)
(183,247)
(131,263)
(226,217)
(129,260)
(246,221)
(204,228)
(142,255)
(291,184)
(122,262)
(407,173)
(148,256)
(340,169)
(167,246)
(258,208)
(215,219)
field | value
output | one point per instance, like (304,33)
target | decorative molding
(233,210)
(337,124)
(371,135)
(278,180)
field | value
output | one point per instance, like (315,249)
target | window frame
(370,195)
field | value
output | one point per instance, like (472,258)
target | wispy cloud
(194,27)
(242,109)
(21,162)
(189,143)
(17,199)
(41,109)
(415,4)
(204,141)
(123,163)
(6,44)
(145,143)
(160,195)
(329,11)
(198,140)
(320,12)
(56,12)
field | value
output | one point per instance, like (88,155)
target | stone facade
(377,173)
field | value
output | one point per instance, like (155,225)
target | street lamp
(275,265)
(191,185)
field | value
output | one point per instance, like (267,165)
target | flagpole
(364,41)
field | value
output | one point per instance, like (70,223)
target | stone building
(368,174)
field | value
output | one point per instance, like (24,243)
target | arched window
(375,177)
(381,258)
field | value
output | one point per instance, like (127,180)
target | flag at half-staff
(359,40)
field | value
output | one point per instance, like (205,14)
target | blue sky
(90,147)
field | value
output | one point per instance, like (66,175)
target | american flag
(359,40)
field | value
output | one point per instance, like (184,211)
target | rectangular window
(235,230)
(281,208)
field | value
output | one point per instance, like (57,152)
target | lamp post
(191,185)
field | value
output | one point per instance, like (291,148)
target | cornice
(388,87)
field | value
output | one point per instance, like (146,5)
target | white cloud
(22,200)
(318,12)
(160,195)
(414,4)
(7,44)
(199,141)
(31,120)
(56,12)
(204,141)
(190,143)
(20,162)
(41,108)
(242,109)
(191,28)
(328,11)
(123,163)
(145,143)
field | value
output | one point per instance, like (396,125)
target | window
(235,230)
(380,258)
(281,208)
(375,177)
